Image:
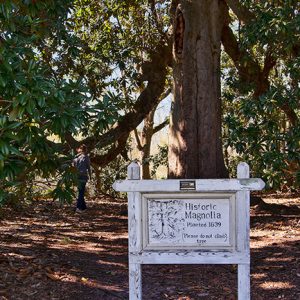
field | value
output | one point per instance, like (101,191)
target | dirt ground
(49,252)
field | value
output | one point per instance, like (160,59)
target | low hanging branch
(155,73)
(118,148)
(161,125)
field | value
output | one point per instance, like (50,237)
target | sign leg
(135,281)
(244,282)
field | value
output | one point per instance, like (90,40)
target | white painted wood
(243,211)
(202,185)
(188,257)
(134,171)
(243,170)
(134,222)
(244,281)
(135,281)
(134,211)
(134,233)
(243,237)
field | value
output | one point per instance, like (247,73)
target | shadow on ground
(49,252)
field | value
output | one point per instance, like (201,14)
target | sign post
(193,221)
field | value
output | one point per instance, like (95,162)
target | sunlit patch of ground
(48,252)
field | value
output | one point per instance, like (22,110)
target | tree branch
(103,160)
(250,70)
(71,142)
(173,7)
(290,113)
(161,125)
(155,73)
(149,98)
(166,93)
(269,62)
(138,140)
(243,13)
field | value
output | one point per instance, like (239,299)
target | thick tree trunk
(195,146)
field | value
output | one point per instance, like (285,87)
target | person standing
(83,166)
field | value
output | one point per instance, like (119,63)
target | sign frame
(189,197)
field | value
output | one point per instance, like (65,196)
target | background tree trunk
(195,146)
(146,138)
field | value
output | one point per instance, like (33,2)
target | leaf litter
(48,252)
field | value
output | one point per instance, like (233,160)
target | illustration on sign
(166,221)
(189,222)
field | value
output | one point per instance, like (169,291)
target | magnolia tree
(92,71)
(195,149)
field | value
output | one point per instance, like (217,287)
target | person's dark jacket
(83,165)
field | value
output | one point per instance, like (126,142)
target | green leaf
(2,81)
(41,101)
(4,147)
(30,106)
(15,151)
(31,65)
(22,99)
(3,120)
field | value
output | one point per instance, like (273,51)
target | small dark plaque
(187,185)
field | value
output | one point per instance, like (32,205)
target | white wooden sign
(194,221)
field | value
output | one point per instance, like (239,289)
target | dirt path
(49,252)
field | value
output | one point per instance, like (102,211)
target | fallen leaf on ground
(51,276)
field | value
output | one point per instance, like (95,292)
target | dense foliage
(33,98)
(263,128)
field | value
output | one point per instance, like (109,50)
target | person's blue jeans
(81,190)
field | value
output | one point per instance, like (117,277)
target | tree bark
(147,134)
(144,142)
(195,145)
